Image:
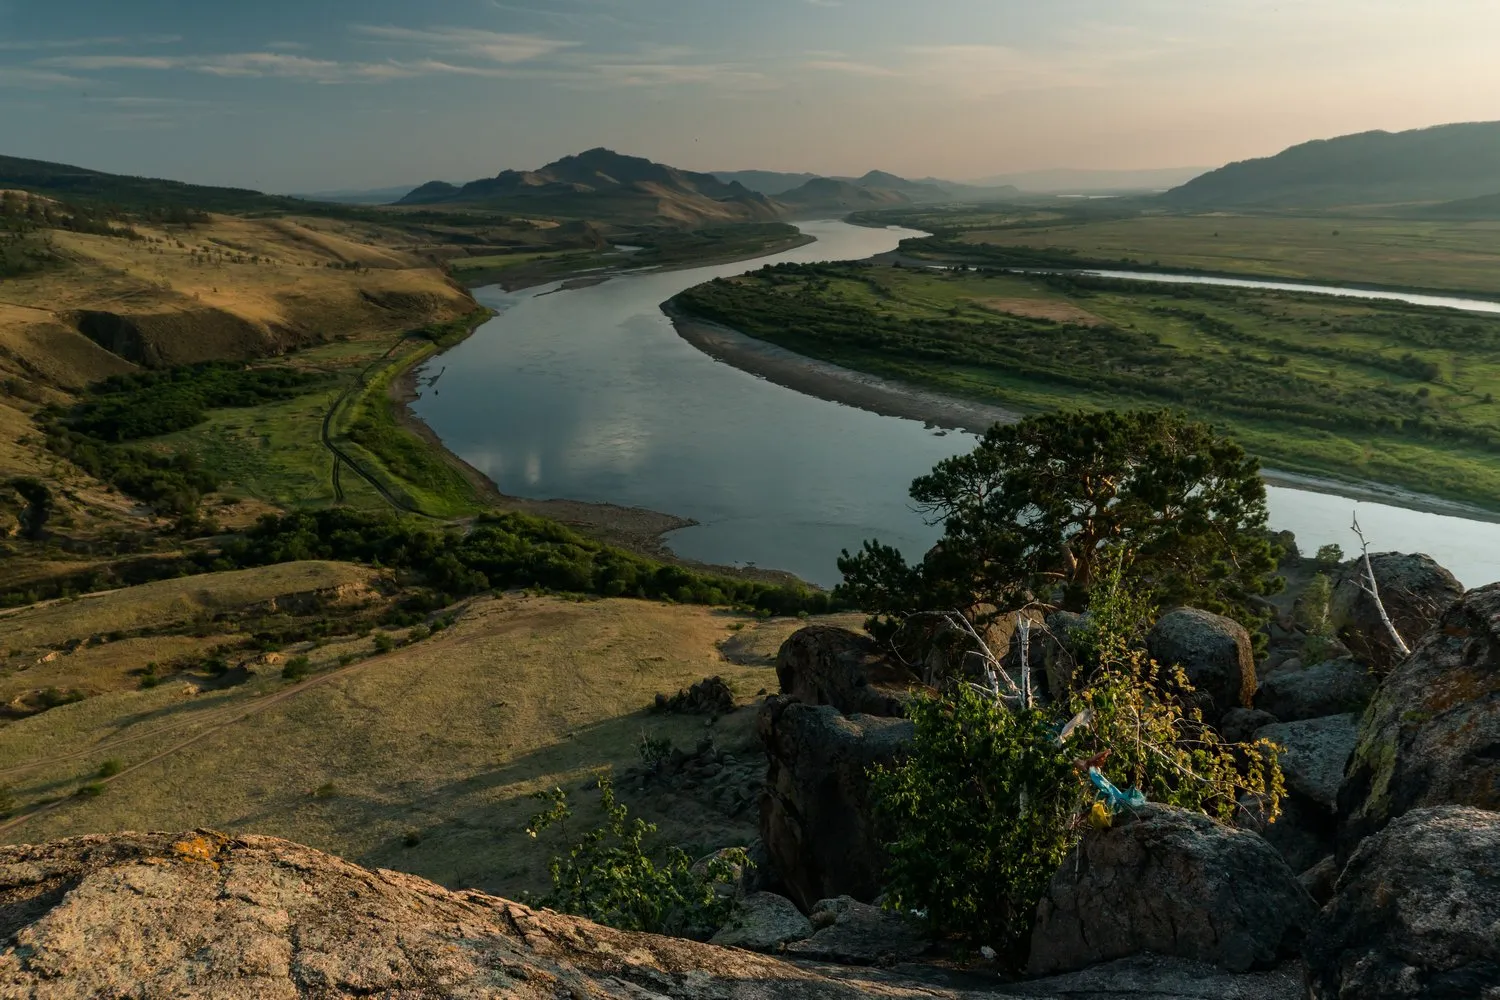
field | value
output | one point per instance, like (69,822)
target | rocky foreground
(206,915)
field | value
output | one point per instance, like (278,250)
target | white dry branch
(1369,586)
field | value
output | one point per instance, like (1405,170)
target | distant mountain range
(61,180)
(360,196)
(785,187)
(604,184)
(1445,163)
(1071,181)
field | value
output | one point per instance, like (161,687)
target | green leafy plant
(111,767)
(384,643)
(1329,555)
(653,750)
(608,876)
(1313,615)
(296,668)
(992,795)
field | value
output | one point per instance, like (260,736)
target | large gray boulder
(1215,654)
(1416,913)
(1331,688)
(1432,734)
(816,815)
(1314,752)
(825,665)
(1415,591)
(856,933)
(763,921)
(1172,882)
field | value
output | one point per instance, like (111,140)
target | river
(590,394)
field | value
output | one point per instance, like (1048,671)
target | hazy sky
(293,95)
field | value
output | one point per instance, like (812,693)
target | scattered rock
(1330,688)
(856,933)
(711,776)
(1303,833)
(816,818)
(1161,977)
(1432,734)
(1213,651)
(763,921)
(710,696)
(1290,664)
(1416,912)
(1415,591)
(1172,882)
(1320,879)
(824,665)
(1239,724)
(1315,755)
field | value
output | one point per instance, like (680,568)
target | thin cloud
(496,46)
(849,66)
(45,44)
(37,79)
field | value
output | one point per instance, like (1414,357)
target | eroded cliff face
(207,915)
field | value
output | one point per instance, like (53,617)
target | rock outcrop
(763,921)
(1432,734)
(816,818)
(1313,756)
(1415,591)
(1215,654)
(256,918)
(1330,688)
(1172,882)
(855,933)
(710,696)
(1416,913)
(824,665)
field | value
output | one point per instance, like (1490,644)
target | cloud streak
(496,46)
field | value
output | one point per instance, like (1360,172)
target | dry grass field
(423,759)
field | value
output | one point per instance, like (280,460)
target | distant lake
(590,394)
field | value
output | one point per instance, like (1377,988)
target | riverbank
(516,279)
(891,398)
(835,383)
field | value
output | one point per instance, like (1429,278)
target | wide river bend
(590,394)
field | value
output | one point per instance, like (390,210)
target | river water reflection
(589,394)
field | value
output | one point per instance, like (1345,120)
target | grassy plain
(422,759)
(1352,388)
(1448,256)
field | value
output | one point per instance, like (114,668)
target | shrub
(1329,555)
(92,790)
(296,668)
(607,876)
(111,767)
(384,643)
(992,796)
(327,790)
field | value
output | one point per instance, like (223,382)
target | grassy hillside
(1458,256)
(1362,389)
(423,758)
(1441,163)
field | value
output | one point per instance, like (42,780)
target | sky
(311,95)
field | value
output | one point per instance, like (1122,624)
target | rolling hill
(767,182)
(824,194)
(1441,163)
(602,184)
(60,180)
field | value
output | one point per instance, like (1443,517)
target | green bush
(607,876)
(1329,556)
(111,767)
(384,643)
(296,668)
(992,796)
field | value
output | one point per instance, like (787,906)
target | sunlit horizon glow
(325,94)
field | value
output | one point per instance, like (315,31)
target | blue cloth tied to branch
(1112,796)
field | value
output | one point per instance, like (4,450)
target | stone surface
(1213,651)
(824,665)
(255,918)
(815,813)
(1415,591)
(1432,734)
(1161,977)
(855,933)
(1416,913)
(1330,688)
(1303,834)
(1239,724)
(1320,879)
(762,921)
(710,696)
(1056,651)
(1316,751)
(1171,882)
